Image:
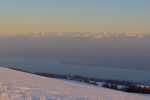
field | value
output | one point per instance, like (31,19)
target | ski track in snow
(15,85)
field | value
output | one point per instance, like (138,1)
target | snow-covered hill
(15,85)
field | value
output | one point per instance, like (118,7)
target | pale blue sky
(74,15)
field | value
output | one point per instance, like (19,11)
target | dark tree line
(131,88)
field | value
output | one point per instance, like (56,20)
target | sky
(24,16)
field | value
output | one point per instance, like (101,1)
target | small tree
(114,86)
(106,85)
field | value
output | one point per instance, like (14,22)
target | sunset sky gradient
(23,16)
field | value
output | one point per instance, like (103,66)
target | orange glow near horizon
(74,16)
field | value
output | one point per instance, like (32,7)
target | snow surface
(15,85)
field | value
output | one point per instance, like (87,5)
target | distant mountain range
(93,35)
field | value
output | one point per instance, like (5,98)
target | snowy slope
(15,85)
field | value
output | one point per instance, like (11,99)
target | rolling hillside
(15,85)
